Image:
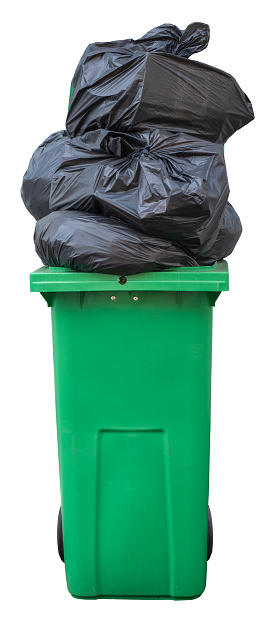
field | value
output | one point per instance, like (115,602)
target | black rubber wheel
(60,535)
(210,535)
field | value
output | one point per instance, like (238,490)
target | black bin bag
(138,180)
(147,83)
(86,242)
(228,235)
(165,184)
(36,185)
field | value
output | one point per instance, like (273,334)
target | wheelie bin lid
(206,278)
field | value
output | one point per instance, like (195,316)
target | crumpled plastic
(165,184)
(142,158)
(228,235)
(36,184)
(84,242)
(150,83)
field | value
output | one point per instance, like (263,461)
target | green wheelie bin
(132,365)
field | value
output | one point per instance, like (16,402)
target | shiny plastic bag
(85,242)
(150,83)
(36,185)
(163,183)
(228,235)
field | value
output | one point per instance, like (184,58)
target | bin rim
(207,278)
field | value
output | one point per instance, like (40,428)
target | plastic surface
(146,128)
(163,183)
(228,235)
(85,242)
(132,383)
(150,83)
(215,279)
(84,186)
(36,184)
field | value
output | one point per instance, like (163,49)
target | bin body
(132,368)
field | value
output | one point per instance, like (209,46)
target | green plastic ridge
(209,279)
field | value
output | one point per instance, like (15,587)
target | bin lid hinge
(213,297)
(81,296)
(48,296)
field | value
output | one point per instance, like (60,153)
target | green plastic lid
(211,279)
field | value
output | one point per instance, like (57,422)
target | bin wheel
(210,535)
(60,535)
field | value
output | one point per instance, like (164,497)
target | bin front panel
(132,383)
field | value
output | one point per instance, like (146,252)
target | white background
(42,43)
